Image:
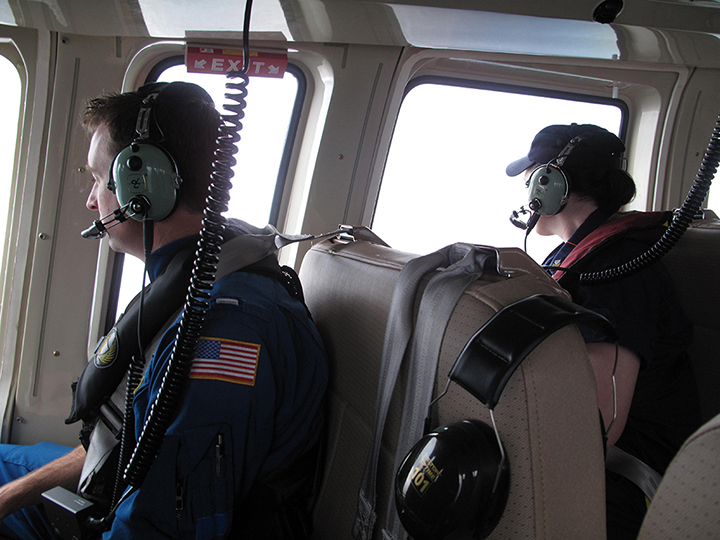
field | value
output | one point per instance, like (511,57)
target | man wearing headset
(240,448)
(657,407)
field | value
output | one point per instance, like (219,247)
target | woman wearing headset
(577,187)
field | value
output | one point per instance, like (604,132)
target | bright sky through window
(9,117)
(445,180)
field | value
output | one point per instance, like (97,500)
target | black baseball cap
(598,148)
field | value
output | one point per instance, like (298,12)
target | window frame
(480,84)
(523,90)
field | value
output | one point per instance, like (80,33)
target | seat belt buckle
(68,513)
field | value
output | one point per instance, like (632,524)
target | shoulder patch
(107,350)
(226,360)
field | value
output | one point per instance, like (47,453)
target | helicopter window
(9,117)
(269,126)
(713,200)
(444,179)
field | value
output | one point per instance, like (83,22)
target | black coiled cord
(680,222)
(135,374)
(164,407)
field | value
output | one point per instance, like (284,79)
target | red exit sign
(219,60)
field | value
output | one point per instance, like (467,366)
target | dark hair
(609,188)
(183,121)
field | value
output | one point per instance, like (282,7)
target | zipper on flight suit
(179,502)
(219,454)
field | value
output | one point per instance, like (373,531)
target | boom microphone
(96,232)
(515,218)
(100,226)
(524,225)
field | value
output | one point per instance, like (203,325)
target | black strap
(285,275)
(496,350)
(163,297)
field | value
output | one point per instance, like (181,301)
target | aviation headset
(455,481)
(549,185)
(143,175)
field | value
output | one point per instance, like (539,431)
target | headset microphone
(548,189)
(525,225)
(137,206)
(515,218)
(100,226)
(96,232)
(143,176)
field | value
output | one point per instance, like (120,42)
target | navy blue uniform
(252,406)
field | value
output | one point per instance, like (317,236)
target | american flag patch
(226,360)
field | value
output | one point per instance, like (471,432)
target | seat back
(686,503)
(547,416)
(693,264)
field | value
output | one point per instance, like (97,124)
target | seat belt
(461,265)
(637,471)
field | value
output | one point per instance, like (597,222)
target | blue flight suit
(227,435)
(235,425)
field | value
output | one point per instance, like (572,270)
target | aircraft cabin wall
(56,286)
(57,273)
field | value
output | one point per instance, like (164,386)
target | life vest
(99,393)
(646,227)
(246,247)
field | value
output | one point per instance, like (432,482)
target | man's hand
(27,490)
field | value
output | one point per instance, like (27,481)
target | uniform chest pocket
(204,482)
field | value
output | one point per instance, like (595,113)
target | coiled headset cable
(683,217)
(162,410)
(164,407)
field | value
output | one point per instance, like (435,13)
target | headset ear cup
(490,508)
(548,190)
(444,487)
(144,169)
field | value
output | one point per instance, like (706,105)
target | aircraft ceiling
(669,31)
